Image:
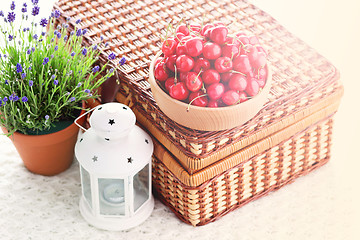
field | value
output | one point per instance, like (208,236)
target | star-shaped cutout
(111,121)
(130,160)
(147,141)
(95,158)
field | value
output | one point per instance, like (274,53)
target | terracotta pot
(48,154)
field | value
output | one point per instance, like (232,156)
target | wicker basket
(203,175)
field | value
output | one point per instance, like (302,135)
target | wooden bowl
(204,118)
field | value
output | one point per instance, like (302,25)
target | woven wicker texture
(248,181)
(301,76)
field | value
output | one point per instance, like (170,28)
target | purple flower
(72,54)
(35,10)
(56,48)
(11,17)
(46,60)
(43,34)
(35,37)
(5,99)
(57,13)
(106,44)
(71,33)
(87,91)
(111,70)
(6,82)
(101,38)
(79,84)
(23,75)
(95,47)
(24,9)
(56,82)
(29,68)
(112,56)
(51,56)
(18,68)
(12,6)
(13,97)
(1,13)
(122,61)
(84,31)
(78,32)
(24,99)
(33,49)
(35,2)
(72,99)
(65,37)
(11,37)
(84,51)
(53,76)
(31,83)
(46,117)
(28,51)
(95,69)
(58,35)
(43,22)
(78,21)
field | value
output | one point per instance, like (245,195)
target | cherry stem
(188,107)
(175,78)
(197,76)
(233,71)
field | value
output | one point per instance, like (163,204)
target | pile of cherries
(208,67)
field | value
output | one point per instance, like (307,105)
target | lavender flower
(106,44)
(65,37)
(11,37)
(5,99)
(56,82)
(46,60)
(95,47)
(43,34)
(46,117)
(72,54)
(95,69)
(57,13)
(72,99)
(24,9)
(56,48)
(18,68)
(53,76)
(11,17)
(12,6)
(29,68)
(112,56)
(31,83)
(35,37)
(23,75)
(122,61)
(58,35)
(1,13)
(84,31)
(79,85)
(84,51)
(101,38)
(33,49)
(35,10)
(24,99)
(35,2)
(43,22)
(6,82)
(87,91)
(28,51)
(78,21)
(78,32)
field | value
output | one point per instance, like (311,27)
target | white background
(321,205)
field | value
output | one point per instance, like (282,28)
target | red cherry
(252,88)
(199,101)
(179,91)
(184,63)
(179,36)
(262,73)
(260,62)
(215,91)
(206,27)
(194,47)
(230,97)
(159,59)
(169,82)
(169,46)
(182,76)
(223,64)
(244,40)
(195,27)
(218,23)
(193,82)
(180,49)
(218,34)
(201,64)
(225,77)
(160,72)
(253,54)
(239,34)
(230,50)
(210,76)
(183,29)
(243,97)
(238,82)
(211,51)
(242,64)
(213,104)
(170,62)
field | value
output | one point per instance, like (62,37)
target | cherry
(218,34)
(206,27)
(170,62)
(225,77)
(242,64)
(195,27)
(243,97)
(253,54)
(230,50)
(160,72)
(182,76)
(159,59)
(213,104)
(184,63)
(211,51)
(238,82)
(252,88)
(260,62)
(211,76)
(261,49)
(201,64)
(262,73)
(179,36)
(179,91)
(180,49)
(169,46)
(218,23)
(261,82)
(230,97)
(193,82)
(244,40)
(169,82)
(215,91)
(197,99)
(194,47)
(183,29)
(223,64)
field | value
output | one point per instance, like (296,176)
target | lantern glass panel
(141,187)
(111,196)
(86,185)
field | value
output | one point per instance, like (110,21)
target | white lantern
(115,167)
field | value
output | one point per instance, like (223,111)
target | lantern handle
(82,115)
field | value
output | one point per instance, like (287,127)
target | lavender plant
(45,71)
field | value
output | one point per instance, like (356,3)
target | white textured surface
(322,205)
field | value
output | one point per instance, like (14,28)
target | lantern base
(113,223)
